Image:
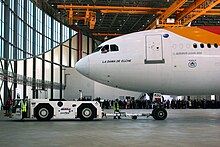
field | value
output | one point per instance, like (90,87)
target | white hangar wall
(75,82)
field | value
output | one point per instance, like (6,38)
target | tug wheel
(43,112)
(86,112)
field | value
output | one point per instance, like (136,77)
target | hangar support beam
(175,6)
(106,34)
(182,15)
(109,8)
(134,11)
(208,5)
(189,9)
(90,16)
(159,11)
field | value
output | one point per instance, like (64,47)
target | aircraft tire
(134,117)
(159,114)
(153,111)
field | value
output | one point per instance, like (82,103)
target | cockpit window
(105,49)
(113,47)
(98,48)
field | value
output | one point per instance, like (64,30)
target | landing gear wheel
(86,113)
(44,112)
(159,114)
(153,111)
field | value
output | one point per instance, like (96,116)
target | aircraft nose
(82,66)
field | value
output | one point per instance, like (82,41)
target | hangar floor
(185,127)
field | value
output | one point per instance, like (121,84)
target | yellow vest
(116,106)
(24,106)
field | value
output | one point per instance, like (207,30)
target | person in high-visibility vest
(116,109)
(24,108)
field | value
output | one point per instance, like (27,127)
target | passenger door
(153,49)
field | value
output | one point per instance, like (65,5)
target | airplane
(170,61)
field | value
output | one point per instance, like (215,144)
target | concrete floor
(182,128)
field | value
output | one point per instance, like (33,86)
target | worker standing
(116,109)
(10,107)
(24,108)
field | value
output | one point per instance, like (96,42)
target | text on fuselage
(117,61)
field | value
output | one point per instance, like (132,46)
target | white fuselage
(156,61)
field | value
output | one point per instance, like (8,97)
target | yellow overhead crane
(182,16)
(90,16)
(162,18)
(193,11)
(205,6)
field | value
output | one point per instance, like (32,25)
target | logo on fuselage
(192,63)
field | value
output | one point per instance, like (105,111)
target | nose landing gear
(159,113)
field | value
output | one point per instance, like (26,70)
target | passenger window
(209,45)
(216,45)
(105,49)
(202,45)
(114,48)
(195,45)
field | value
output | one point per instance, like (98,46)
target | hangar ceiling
(112,22)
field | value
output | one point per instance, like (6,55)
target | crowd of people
(168,104)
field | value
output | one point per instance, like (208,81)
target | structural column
(34,52)
(6,47)
(43,50)
(52,60)
(15,53)
(25,49)
(79,45)
(61,61)
(88,46)
(70,47)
